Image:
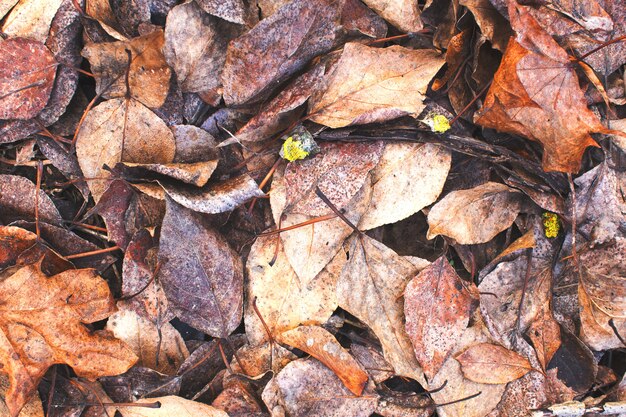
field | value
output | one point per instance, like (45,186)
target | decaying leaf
(120,130)
(31,19)
(138,64)
(159,347)
(230,10)
(33,408)
(370,287)
(364,86)
(492,364)
(283,301)
(403,14)
(307,388)
(545,334)
(535,94)
(201,275)
(323,346)
(170,406)
(408,178)
(41,324)
(475,215)
(437,306)
(17,201)
(27,71)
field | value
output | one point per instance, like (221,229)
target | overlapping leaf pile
(160,257)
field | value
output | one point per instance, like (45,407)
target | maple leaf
(41,324)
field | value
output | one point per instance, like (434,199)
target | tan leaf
(476,215)
(437,306)
(41,324)
(170,406)
(545,335)
(364,86)
(33,408)
(283,301)
(370,287)
(307,388)
(27,72)
(148,73)
(487,363)
(194,173)
(536,94)
(403,14)
(408,178)
(159,347)
(121,130)
(323,346)
(31,19)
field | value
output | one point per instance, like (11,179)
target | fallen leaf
(120,130)
(138,64)
(403,14)
(194,173)
(41,322)
(492,24)
(31,19)
(65,162)
(545,336)
(339,171)
(323,346)
(408,178)
(194,144)
(159,347)
(364,86)
(197,64)
(574,362)
(20,247)
(170,406)
(257,360)
(27,72)
(437,305)
(373,362)
(302,28)
(522,396)
(33,408)
(282,300)
(229,10)
(535,94)
(218,197)
(138,383)
(235,400)
(17,201)
(475,215)
(370,287)
(306,387)
(201,275)
(487,363)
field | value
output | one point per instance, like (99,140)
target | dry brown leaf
(120,130)
(323,346)
(218,197)
(194,144)
(408,178)
(545,335)
(475,215)
(403,14)
(455,386)
(372,360)
(370,287)
(201,275)
(159,347)
(31,19)
(170,406)
(21,247)
(307,388)
(365,84)
(33,408)
(437,305)
(524,395)
(197,64)
(487,363)
(492,24)
(27,72)
(229,10)
(147,71)
(41,324)
(282,300)
(17,201)
(194,173)
(535,94)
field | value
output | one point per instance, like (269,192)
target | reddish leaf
(201,275)
(27,70)
(437,306)
(492,364)
(545,335)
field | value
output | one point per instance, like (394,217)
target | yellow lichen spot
(292,150)
(551,224)
(440,123)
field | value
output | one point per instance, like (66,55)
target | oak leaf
(41,325)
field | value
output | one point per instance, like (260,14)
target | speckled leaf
(17,201)
(31,19)
(437,306)
(545,336)
(403,14)
(201,275)
(27,71)
(365,85)
(487,363)
(194,173)
(323,346)
(475,215)
(230,10)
